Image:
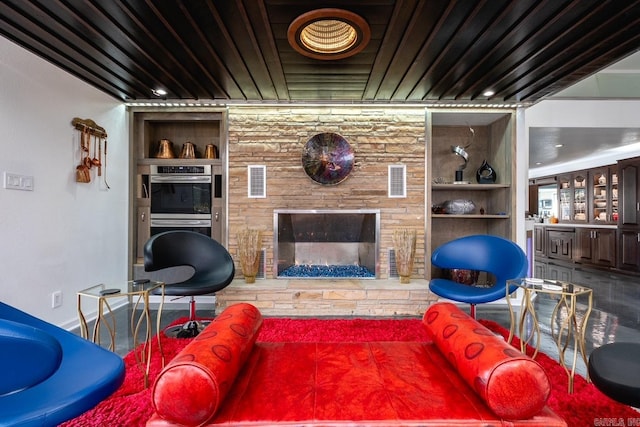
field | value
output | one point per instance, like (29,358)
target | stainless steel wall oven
(181,197)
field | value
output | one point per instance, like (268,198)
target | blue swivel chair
(50,375)
(502,258)
(213,270)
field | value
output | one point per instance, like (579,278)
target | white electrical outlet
(56,299)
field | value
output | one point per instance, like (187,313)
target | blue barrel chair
(498,256)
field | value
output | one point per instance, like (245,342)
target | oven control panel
(181,170)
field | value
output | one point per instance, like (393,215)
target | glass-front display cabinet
(604,191)
(573,197)
(565,198)
(580,197)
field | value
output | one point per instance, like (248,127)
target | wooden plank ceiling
(237,50)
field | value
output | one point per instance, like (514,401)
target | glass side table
(572,322)
(137,292)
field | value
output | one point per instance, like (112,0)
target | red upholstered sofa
(464,376)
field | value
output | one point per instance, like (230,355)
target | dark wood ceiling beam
(485,64)
(610,56)
(88,37)
(419,79)
(144,47)
(97,29)
(412,53)
(61,46)
(51,55)
(489,39)
(539,62)
(402,12)
(197,68)
(240,52)
(628,38)
(222,78)
(163,39)
(238,49)
(117,28)
(525,41)
(457,47)
(575,42)
(258,15)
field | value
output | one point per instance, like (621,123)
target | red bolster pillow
(512,384)
(191,387)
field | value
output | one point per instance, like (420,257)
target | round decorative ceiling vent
(327,158)
(329,34)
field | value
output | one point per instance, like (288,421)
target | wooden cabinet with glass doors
(573,197)
(604,195)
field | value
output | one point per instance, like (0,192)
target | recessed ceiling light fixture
(329,34)
(488,92)
(159,92)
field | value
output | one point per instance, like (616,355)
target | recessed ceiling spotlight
(159,92)
(559,145)
(329,34)
(538,163)
(488,92)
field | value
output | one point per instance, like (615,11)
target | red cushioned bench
(465,376)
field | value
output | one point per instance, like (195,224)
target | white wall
(63,235)
(588,114)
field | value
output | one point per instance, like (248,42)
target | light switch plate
(14,181)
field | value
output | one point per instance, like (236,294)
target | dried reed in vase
(249,252)
(404,241)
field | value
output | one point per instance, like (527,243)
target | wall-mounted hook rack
(89,128)
(88,125)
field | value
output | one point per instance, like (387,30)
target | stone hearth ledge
(330,298)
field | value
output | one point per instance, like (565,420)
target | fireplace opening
(326,243)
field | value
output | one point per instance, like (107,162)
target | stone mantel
(326,297)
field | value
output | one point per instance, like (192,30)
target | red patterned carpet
(131,405)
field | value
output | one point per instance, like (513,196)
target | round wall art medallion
(327,158)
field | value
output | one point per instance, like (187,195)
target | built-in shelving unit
(200,127)
(485,135)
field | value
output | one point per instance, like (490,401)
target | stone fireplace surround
(274,137)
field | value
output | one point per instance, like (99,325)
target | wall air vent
(393,269)
(257,175)
(262,265)
(397,181)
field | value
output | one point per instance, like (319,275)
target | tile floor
(615,315)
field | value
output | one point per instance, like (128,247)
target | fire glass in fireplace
(326,243)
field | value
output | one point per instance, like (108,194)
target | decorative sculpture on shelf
(462,152)
(486,174)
